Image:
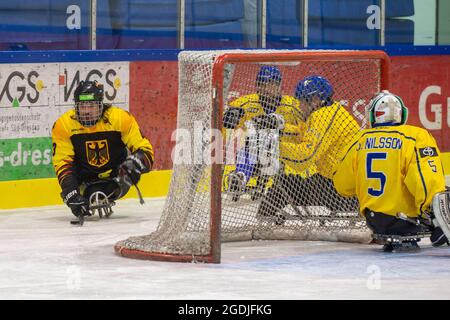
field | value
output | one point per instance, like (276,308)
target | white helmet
(386,109)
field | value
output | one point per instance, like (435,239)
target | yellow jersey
(92,153)
(391,169)
(329,130)
(294,124)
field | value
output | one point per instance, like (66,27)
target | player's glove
(76,202)
(269,121)
(232,117)
(131,169)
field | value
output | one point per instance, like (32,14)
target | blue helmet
(314,86)
(268,74)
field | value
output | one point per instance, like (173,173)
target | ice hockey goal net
(210,201)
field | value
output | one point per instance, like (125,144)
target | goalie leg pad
(441,211)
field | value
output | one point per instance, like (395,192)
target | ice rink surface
(42,256)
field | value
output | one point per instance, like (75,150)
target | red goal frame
(216,123)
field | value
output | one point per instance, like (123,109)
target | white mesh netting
(280,149)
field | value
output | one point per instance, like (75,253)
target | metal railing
(262,26)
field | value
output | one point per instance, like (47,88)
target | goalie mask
(89,102)
(386,109)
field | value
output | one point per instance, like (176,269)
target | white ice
(42,256)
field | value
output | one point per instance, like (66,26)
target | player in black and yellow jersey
(395,170)
(97,147)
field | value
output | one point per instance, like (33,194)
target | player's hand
(76,202)
(132,168)
(232,117)
(269,121)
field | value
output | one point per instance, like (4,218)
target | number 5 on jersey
(378,175)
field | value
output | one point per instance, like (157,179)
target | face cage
(88,112)
(269,98)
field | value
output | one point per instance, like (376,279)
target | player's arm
(234,113)
(332,129)
(344,178)
(312,145)
(294,129)
(63,162)
(63,156)
(295,120)
(424,174)
(232,117)
(142,157)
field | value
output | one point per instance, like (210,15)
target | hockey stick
(141,199)
(130,182)
(80,220)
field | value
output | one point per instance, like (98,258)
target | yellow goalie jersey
(292,133)
(392,169)
(92,153)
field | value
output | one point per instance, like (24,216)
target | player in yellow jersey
(273,123)
(394,169)
(328,128)
(97,148)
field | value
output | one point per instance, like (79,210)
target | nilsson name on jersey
(382,143)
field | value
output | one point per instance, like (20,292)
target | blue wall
(151,24)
